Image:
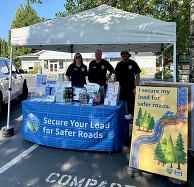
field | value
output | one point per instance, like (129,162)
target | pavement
(23,164)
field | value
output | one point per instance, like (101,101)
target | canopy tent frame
(104,27)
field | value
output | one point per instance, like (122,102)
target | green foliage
(34,71)
(151,123)
(25,16)
(143,71)
(166,10)
(170,151)
(3,48)
(164,144)
(145,121)
(179,150)
(159,153)
(36,1)
(165,151)
(167,75)
(157,69)
(139,118)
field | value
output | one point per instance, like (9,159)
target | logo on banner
(33,123)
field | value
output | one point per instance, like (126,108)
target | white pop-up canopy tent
(104,27)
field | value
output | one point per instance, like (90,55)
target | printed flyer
(160,131)
(41,80)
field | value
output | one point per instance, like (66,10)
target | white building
(53,62)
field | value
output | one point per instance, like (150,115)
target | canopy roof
(103,27)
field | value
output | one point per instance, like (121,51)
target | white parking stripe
(16,159)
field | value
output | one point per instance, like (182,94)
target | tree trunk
(191,76)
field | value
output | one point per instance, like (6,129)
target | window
(3,64)
(3,67)
(53,66)
(60,64)
(30,65)
(13,67)
(45,64)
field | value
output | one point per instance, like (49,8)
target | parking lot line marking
(16,159)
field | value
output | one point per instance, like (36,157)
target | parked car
(19,86)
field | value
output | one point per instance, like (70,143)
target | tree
(164,144)
(170,152)
(159,154)
(36,1)
(166,10)
(179,151)
(151,124)
(191,76)
(145,121)
(25,16)
(3,48)
(139,118)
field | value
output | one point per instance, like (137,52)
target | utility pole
(191,75)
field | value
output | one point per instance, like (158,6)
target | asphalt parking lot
(23,164)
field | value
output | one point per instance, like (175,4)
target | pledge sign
(159,111)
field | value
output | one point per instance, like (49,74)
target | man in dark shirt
(98,70)
(127,72)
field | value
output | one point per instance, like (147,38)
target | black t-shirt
(77,74)
(125,72)
(97,71)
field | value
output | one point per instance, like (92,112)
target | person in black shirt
(77,71)
(98,70)
(127,72)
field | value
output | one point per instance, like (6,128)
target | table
(70,126)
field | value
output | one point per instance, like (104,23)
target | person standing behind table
(98,70)
(77,71)
(127,72)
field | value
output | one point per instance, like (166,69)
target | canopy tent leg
(162,65)
(8,130)
(174,61)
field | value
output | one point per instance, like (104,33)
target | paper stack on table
(112,94)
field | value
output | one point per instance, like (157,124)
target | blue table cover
(70,126)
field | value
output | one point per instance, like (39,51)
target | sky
(8,9)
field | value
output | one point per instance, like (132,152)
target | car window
(3,67)
(13,67)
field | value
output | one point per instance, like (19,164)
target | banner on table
(71,126)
